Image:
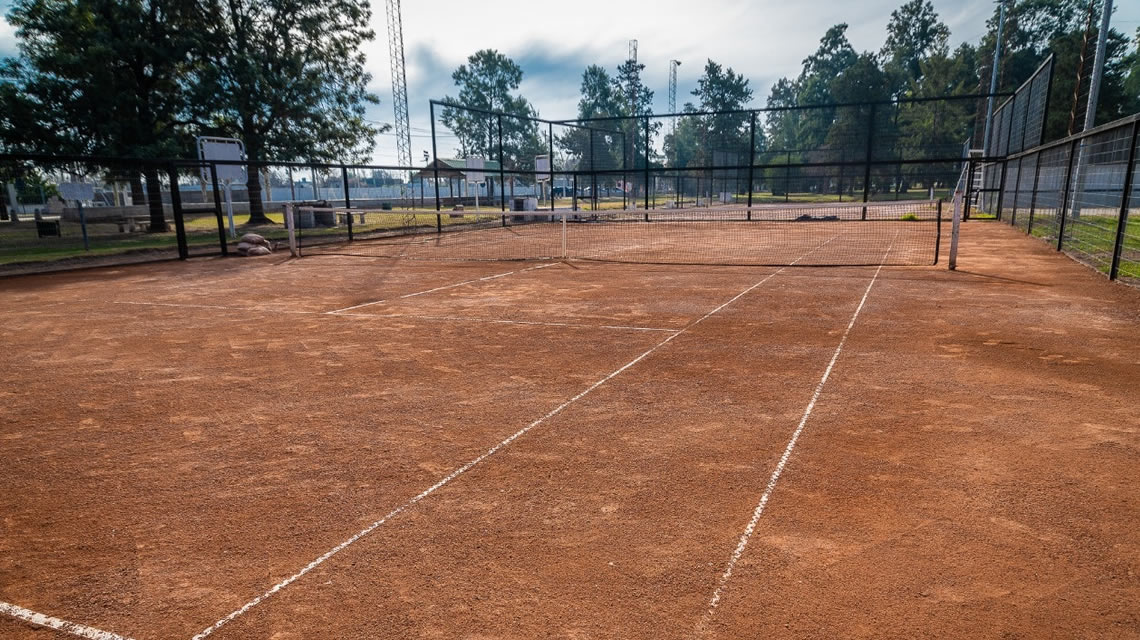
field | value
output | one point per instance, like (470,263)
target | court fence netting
(842,184)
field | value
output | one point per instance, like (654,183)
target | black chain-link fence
(1079,194)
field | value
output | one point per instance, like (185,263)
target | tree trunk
(256,210)
(154,200)
(137,194)
(3,201)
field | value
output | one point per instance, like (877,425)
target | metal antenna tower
(673,64)
(399,84)
(633,85)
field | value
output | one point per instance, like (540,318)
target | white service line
(448,286)
(27,615)
(572,325)
(748,530)
(455,474)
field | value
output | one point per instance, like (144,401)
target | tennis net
(822,234)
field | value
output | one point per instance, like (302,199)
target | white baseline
(39,619)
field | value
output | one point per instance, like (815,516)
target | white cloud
(762,40)
(7,38)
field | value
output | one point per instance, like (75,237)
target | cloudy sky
(762,39)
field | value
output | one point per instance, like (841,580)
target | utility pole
(1090,109)
(993,79)
(1098,65)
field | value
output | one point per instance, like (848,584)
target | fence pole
(550,142)
(870,151)
(218,209)
(646,168)
(1033,198)
(1066,194)
(502,168)
(593,175)
(1016,192)
(176,205)
(435,161)
(1125,198)
(969,191)
(347,199)
(1001,190)
(751,159)
(938,233)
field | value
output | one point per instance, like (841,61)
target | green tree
(598,100)
(486,82)
(287,78)
(101,77)
(714,140)
(834,55)
(914,33)
(636,100)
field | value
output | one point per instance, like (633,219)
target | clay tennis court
(368,447)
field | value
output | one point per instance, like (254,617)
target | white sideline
(748,530)
(454,474)
(39,619)
(448,286)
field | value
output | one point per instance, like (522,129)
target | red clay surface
(970,469)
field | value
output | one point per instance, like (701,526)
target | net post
(1125,198)
(291,227)
(218,210)
(938,232)
(956,224)
(347,200)
(176,207)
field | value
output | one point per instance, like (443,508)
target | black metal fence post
(347,199)
(1064,213)
(646,168)
(1125,198)
(502,168)
(435,159)
(1016,191)
(870,152)
(550,142)
(218,209)
(1033,196)
(751,159)
(1001,190)
(176,206)
(938,232)
(970,164)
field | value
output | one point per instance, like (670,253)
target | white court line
(448,286)
(455,474)
(27,615)
(748,530)
(571,325)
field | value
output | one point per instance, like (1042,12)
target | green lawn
(1096,237)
